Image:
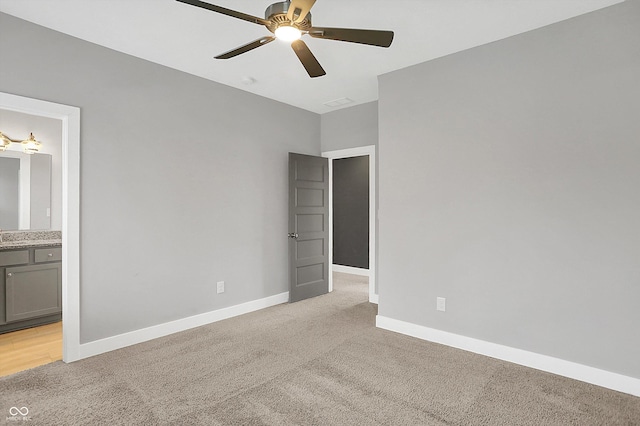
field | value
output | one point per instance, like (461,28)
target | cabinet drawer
(53,254)
(14,257)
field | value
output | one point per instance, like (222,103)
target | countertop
(12,240)
(10,245)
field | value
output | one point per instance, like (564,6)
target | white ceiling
(187,38)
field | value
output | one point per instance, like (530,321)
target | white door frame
(70,117)
(369,150)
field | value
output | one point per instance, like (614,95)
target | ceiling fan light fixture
(288,21)
(288,33)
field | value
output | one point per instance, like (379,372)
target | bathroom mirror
(25,191)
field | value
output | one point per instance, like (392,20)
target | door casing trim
(369,150)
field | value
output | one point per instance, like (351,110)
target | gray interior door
(308,226)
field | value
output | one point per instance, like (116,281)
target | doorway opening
(70,119)
(370,152)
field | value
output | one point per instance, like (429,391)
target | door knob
(293,235)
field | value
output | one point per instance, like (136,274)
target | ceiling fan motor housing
(276,14)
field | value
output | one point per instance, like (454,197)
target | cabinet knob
(50,254)
(9,274)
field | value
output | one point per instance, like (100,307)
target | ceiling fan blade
(370,37)
(247,47)
(309,61)
(226,11)
(298,10)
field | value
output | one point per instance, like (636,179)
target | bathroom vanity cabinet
(30,287)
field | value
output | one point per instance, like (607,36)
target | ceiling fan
(288,21)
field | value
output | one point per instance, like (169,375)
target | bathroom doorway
(69,118)
(32,336)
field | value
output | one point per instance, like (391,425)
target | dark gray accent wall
(183,180)
(351,212)
(510,184)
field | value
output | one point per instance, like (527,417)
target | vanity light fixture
(4,142)
(29,146)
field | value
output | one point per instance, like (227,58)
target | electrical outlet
(440,303)
(220,287)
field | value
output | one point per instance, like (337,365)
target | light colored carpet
(316,362)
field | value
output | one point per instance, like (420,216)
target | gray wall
(181,186)
(350,127)
(510,184)
(351,212)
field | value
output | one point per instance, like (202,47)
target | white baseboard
(97,347)
(549,364)
(350,270)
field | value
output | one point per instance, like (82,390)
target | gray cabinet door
(33,291)
(309,223)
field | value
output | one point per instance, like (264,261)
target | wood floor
(24,349)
